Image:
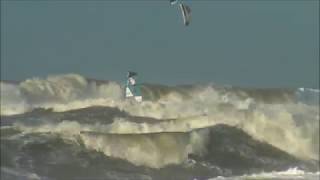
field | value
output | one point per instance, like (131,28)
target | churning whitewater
(71,127)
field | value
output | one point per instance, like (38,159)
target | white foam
(60,93)
(292,173)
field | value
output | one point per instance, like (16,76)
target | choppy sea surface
(71,127)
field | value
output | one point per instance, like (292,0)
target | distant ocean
(71,127)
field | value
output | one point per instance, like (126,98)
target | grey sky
(246,43)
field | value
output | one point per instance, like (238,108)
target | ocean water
(70,127)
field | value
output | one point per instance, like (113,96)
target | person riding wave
(132,89)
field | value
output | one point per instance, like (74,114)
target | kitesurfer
(132,89)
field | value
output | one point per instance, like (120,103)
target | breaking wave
(218,150)
(61,92)
(72,91)
(191,125)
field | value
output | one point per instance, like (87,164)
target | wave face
(56,127)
